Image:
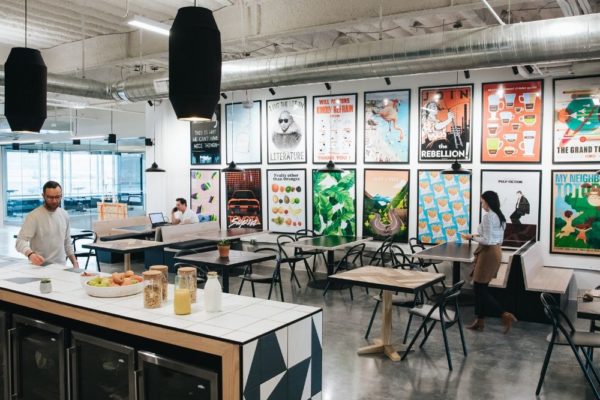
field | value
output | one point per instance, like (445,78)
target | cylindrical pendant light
(194,64)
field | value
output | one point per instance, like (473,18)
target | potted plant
(223,247)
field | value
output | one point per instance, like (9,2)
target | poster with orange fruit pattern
(444,203)
(286,200)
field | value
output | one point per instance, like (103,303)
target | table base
(378,347)
(321,283)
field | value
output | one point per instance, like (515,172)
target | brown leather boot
(477,325)
(507,321)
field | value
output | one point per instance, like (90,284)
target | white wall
(173,152)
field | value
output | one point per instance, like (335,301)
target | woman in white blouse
(488,255)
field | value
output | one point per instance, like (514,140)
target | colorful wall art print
(512,122)
(205,193)
(244,205)
(385,204)
(445,123)
(243,132)
(206,140)
(575,213)
(286,200)
(444,207)
(577,120)
(286,130)
(519,194)
(334,128)
(334,202)
(387,126)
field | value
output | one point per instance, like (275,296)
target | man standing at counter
(181,214)
(45,237)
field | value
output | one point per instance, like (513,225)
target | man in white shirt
(181,214)
(45,237)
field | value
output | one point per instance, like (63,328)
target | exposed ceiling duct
(564,39)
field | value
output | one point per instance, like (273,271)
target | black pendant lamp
(25,87)
(456,169)
(194,64)
(154,167)
(232,167)
(330,167)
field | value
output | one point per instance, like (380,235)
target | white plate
(114,291)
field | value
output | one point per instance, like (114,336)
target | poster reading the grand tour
(205,193)
(575,213)
(385,204)
(445,123)
(286,130)
(286,199)
(387,126)
(577,120)
(334,202)
(244,199)
(334,128)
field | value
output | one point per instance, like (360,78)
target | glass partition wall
(88,173)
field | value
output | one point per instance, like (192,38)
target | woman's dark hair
(491,198)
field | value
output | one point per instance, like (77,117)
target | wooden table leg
(384,345)
(127,261)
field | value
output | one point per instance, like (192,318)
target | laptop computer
(157,219)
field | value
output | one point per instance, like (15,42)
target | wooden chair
(439,312)
(272,279)
(349,261)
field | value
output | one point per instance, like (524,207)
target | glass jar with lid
(165,281)
(192,281)
(152,289)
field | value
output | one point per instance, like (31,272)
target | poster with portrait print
(444,210)
(387,126)
(205,194)
(243,204)
(334,128)
(334,202)
(243,132)
(512,122)
(445,123)
(286,130)
(385,204)
(575,212)
(519,193)
(286,199)
(576,120)
(205,139)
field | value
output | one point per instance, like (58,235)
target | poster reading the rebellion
(206,140)
(334,202)
(286,130)
(575,213)
(576,120)
(444,207)
(385,204)
(512,122)
(334,128)
(286,200)
(205,193)
(387,126)
(519,193)
(445,123)
(244,205)
(243,132)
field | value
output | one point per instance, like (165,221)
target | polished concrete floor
(497,366)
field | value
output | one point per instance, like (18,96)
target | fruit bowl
(109,291)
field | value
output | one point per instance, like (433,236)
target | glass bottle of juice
(182,302)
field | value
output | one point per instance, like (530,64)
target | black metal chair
(379,257)
(416,245)
(291,260)
(349,261)
(439,312)
(563,333)
(274,278)
(304,233)
(201,275)
(86,253)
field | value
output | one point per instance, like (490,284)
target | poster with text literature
(244,204)
(205,193)
(286,199)
(334,128)
(286,130)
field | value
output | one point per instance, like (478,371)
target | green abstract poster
(334,202)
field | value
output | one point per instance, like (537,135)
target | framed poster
(387,126)
(286,131)
(385,204)
(334,202)
(575,213)
(205,194)
(576,120)
(205,139)
(445,123)
(444,206)
(519,193)
(242,137)
(334,128)
(244,205)
(286,200)
(512,122)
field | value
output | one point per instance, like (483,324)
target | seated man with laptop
(181,214)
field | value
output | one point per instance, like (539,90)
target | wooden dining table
(390,280)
